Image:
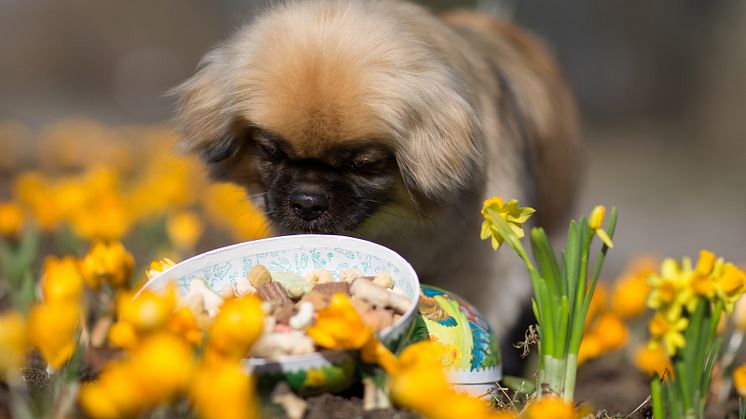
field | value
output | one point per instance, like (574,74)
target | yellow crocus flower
(162,366)
(652,359)
(148,312)
(184,229)
(739,380)
(590,347)
(223,391)
(158,266)
(236,327)
(107,263)
(611,331)
(184,323)
(61,280)
(514,215)
(339,326)
(14,343)
(550,408)
(52,329)
(116,393)
(11,219)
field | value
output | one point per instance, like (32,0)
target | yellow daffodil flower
(52,328)
(339,326)
(510,212)
(107,263)
(596,223)
(61,280)
(11,219)
(630,295)
(739,380)
(730,284)
(236,327)
(33,192)
(184,229)
(671,289)
(14,343)
(652,359)
(550,407)
(669,332)
(223,391)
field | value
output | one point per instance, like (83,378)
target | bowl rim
(307,241)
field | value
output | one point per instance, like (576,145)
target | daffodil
(14,343)
(61,280)
(236,327)
(739,315)
(669,332)
(52,328)
(223,391)
(671,289)
(596,223)
(730,284)
(11,219)
(550,407)
(339,326)
(184,229)
(739,380)
(107,263)
(653,359)
(509,212)
(33,192)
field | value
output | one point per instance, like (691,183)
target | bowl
(328,370)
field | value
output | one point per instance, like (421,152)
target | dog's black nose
(309,205)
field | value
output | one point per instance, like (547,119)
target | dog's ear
(204,112)
(440,150)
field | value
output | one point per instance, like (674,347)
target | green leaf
(518,384)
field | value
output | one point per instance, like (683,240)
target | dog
(380,120)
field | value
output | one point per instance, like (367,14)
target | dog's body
(379,120)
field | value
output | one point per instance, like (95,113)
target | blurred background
(661,86)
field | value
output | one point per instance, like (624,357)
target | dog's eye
(269,150)
(220,150)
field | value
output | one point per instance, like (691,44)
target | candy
(332,288)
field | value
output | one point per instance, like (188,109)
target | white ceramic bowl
(301,254)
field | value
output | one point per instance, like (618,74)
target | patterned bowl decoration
(472,352)
(322,371)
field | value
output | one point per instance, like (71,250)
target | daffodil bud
(596,219)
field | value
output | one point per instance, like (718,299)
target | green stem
(657,398)
(571,370)
(553,374)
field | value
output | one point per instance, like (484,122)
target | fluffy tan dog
(379,120)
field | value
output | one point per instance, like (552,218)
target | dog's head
(323,110)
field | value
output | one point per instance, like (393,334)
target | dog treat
(303,318)
(200,297)
(290,303)
(284,312)
(379,296)
(227,292)
(259,275)
(273,292)
(383,279)
(349,275)
(319,276)
(244,287)
(295,285)
(317,299)
(332,288)
(272,345)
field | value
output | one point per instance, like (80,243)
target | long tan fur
(471,105)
